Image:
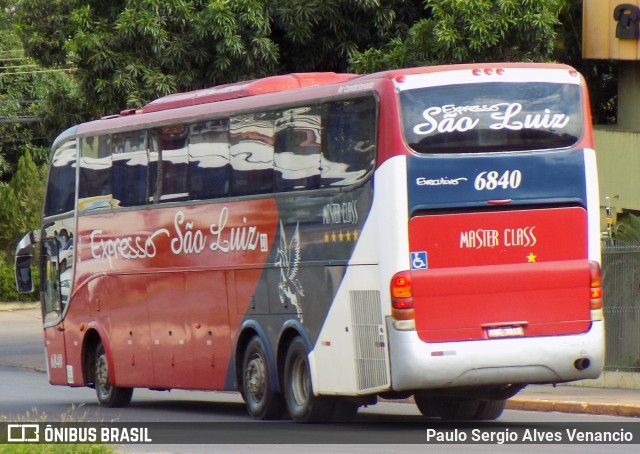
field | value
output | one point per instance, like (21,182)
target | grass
(35,416)
(56,449)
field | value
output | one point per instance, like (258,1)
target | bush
(8,291)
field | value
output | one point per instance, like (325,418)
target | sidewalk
(578,399)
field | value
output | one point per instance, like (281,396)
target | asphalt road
(25,394)
(21,339)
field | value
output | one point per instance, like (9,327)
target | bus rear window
(492,117)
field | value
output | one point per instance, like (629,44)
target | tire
(448,408)
(426,406)
(257,390)
(344,411)
(489,410)
(302,405)
(108,395)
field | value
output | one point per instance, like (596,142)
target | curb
(574,407)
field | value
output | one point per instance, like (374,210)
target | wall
(618,155)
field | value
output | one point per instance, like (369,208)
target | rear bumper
(416,365)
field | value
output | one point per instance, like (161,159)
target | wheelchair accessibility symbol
(419,261)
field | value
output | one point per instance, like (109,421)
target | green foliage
(8,291)
(53,448)
(129,52)
(323,34)
(601,75)
(628,229)
(471,31)
(56,449)
(25,91)
(20,204)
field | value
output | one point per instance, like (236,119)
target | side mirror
(24,259)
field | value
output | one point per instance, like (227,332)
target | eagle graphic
(288,262)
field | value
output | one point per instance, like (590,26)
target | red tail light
(402,296)
(596,286)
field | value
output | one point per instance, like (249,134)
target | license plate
(505,331)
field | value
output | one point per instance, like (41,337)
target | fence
(621,280)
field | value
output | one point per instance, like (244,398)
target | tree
(322,35)
(601,75)
(470,31)
(25,93)
(20,204)
(129,52)
(628,229)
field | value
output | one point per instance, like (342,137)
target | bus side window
(209,167)
(169,165)
(348,141)
(297,149)
(130,163)
(94,188)
(251,140)
(61,186)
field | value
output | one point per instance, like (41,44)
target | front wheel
(261,401)
(302,404)
(108,395)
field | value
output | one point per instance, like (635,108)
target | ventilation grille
(368,338)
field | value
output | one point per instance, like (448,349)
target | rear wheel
(108,395)
(302,404)
(257,390)
(488,410)
(449,408)
(426,406)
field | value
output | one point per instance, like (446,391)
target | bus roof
(394,73)
(205,101)
(271,84)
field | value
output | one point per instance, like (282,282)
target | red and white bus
(317,241)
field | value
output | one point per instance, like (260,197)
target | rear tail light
(596,289)
(402,309)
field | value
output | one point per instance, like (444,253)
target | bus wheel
(449,408)
(427,406)
(302,405)
(344,411)
(488,410)
(108,395)
(261,401)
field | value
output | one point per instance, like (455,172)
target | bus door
(52,309)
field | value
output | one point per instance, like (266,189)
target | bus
(317,241)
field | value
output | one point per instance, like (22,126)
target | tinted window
(209,168)
(169,164)
(297,149)
(348,141)
(95,174)
(130,168)
(251,139)
(492,117)
(61,187)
